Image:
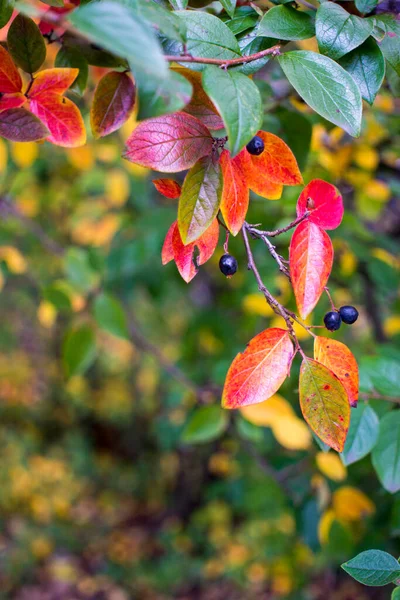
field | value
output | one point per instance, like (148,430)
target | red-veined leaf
(61,117)
(20,125)
(277,161)
(258,372)
(167,252)
(10,79)
(55,81)
(11,101)
(256,178)
(200,199)
(170,143)
(200,106)
(235,193)
(185,256)
(113,102)
(324,203)
(310,260)
(168,188)
(338,358)
(324,403)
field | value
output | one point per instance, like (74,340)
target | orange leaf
(167,252)
(256,178)
(56,81)
(235,193)
(170,143)
(277,162)
(324,403)
(310,261)
(10,79)
(257,373)
(338,358)
(11,101)
(61,117)
(323,201)
(168,188)
(184,256)
(113,102)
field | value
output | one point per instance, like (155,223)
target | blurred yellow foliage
(117,187)
(292,433)
(47,314)
(82,158)
(255,304)
(351,504)
(331,466)
(14,260)
(3,156)
(391,325)
(24,154)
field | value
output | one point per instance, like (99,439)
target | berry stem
(226,250)
(330,298)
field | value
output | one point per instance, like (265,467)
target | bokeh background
(116,481)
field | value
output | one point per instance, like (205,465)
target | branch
(376,396)
(260,232)
(223,63)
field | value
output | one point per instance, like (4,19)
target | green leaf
(297,131)
(248,431)
(362,435)
(94,56)
(396,594)
(366,65)
(160,97)
(200,199)
(118,29)
(338,32)
(6,10)
(390,46)
(58,297)
(205,425)
(245,18)
(79,350)
(238,101)
(382,373)
(26,44)
(386,454)
(287,23)
(164,20)
(57,3)
(373,567)
(179,4)
(250,44)
(326,87)
(110,315)
(207,37)
(366,6)
(79,270)
(229,6)
(393,80)
(71,57)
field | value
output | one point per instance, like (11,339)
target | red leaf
(168,188)
(167,252)
(235,193)
(19,125)
(169,143)
(10,79)
(200,106)
(56,81)
(323,201)
(310,258)
(256,177)
(277,162)
(62,118)
(338,358)
(324,403)
(113,102)
(257,373)
(11,101)
(185,257)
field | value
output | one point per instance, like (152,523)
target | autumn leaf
(11,101)
(167,252)
(10,79)
(310,261)
(200,199)
(62,118)
(338,358)
(56,80)
(277,162)
(169,143)
(168,188)
(258,372)
(19,125)
(200,106)
(323,201)
(324,403)
(256,178)
(185,258)
(235,193)
(113,102)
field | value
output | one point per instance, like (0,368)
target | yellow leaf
(331,466)
(136,170)
(366,157)
(386,257)
(81,158)
(351,504)
(117,187)
(46,314)
(3,156)
(392,325)
(347,262)
(255,304)
(107,153)
(378,190)
(317,137)
(292,433)
(13,258)
(24,154)
(266,413)
(385,103)
(324,525)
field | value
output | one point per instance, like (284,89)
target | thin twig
(260,232)
(306,4)
(274,51)
(376,396)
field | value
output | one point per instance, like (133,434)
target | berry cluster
(334,318)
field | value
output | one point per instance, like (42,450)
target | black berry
(349,314)
(228,265)
(332,320)
(255,146)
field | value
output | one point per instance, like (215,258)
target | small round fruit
(349,314)
(332,320)
(255,146)
(228,265)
